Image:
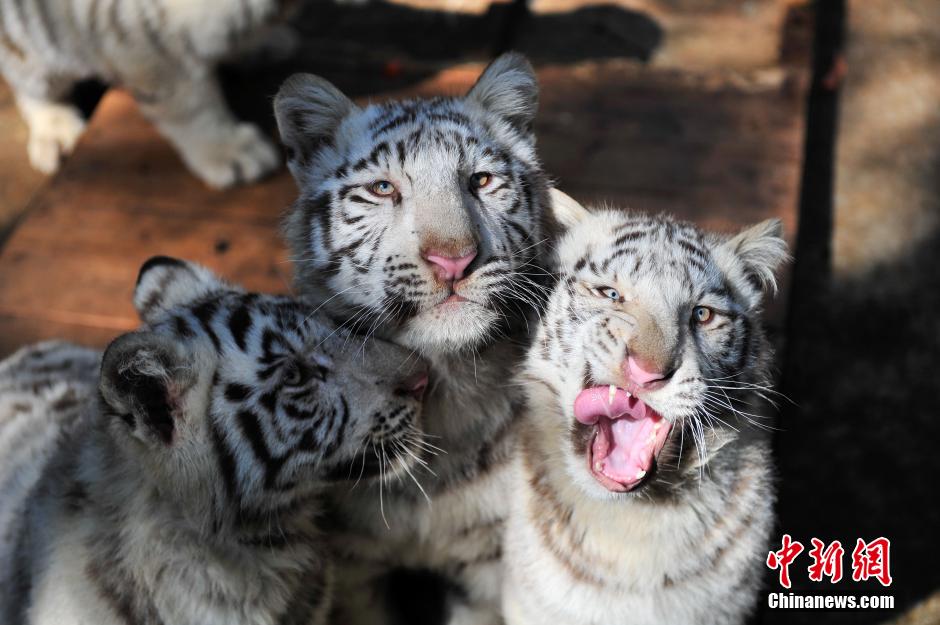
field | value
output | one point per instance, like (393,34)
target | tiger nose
(411,378)
(449,267)
(413,385)
(642,373)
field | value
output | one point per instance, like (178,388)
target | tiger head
(652,350)
(419,219)
(248,402)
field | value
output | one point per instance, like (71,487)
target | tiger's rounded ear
(759,250)
(164,283)
(308,110)
(143,378)
(509,89)
(566,210)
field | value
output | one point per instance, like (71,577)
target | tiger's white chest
(639,564)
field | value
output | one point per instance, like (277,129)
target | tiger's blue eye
(382,188)
(608,292)
(702,314)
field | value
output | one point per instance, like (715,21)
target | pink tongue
(594,403)
(629,434)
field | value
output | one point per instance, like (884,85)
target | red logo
(869,560)
(872,560)
(826,562)
(783,558)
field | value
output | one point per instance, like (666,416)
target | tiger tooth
(629,394)
(598,466)
(611,393)
(640,474)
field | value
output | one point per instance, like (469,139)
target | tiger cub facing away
(645,493)
(163,52)
(186,489)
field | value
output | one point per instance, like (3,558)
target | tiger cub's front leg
(54,129)
(474,552)
(192,114)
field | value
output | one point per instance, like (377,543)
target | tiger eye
(293,374)
(382,188)
(609,293)
(480,179)
(702,314)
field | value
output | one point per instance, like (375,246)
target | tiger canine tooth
(640,474)
(598,466)
(611,393)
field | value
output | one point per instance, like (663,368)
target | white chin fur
(448,327)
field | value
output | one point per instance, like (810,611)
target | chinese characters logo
(870,560)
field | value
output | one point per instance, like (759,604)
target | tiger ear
(760,250)
(509,89)
(566,210)
(308,110)
(164,283)
(143,378)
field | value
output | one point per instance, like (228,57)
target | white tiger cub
(163,51)
(422,221)
(187,489)
(642,494)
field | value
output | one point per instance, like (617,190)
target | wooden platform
(720,149)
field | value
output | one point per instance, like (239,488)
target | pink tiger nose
(642,375)
(448,267)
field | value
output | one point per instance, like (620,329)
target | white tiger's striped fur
(187,489)
(163,51)
(685,546)
(383,189)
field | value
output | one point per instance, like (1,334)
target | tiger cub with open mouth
(185,490)
(644,487)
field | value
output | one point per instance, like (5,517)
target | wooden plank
(18,180)
(69,269)
(722,150)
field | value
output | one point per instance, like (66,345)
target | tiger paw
(53,131)
(237,157)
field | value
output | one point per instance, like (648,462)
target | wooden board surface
(723,150)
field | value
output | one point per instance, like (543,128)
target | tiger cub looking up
(643,490)
(163,52)
(186,490)
(423,221)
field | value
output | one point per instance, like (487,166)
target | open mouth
(628,436)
